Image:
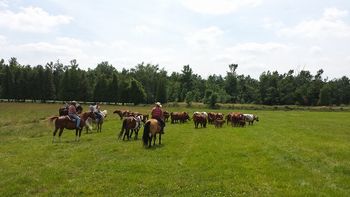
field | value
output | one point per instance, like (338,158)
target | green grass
(295,153)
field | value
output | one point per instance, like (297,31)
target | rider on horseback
(157,113)
(72,113)
(95,108)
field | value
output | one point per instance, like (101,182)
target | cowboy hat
(158,104)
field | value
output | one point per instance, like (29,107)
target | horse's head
(256,118)
(117,111)
(89,114)
(79,109)
(104,112)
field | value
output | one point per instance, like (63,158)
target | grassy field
(293,153)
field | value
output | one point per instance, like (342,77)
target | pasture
(285,154)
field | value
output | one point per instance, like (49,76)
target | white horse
(89,122)
(250,118)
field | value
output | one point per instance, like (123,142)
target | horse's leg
(154,139)
(60,134)
(129,136)
(126,133)
(76,134)
(150,141)
(80,133)
(136,134)
(120,133)
(160,138)
(54,134)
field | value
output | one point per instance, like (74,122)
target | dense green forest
(146,83)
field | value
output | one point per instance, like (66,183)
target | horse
(150,130)
(62,122)
(200,118)
(130,124)
(250,118)
(63,111)
(99,122)
(90,122)
(122,113)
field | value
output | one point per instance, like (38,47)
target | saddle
(68,118)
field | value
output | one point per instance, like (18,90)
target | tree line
(147,83)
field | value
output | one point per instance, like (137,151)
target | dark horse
(63,111)
(151,128)
(63,122)
(130,124)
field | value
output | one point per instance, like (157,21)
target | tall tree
(113,89)
(137,92)
(231,82)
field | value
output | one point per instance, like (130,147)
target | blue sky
(258,35)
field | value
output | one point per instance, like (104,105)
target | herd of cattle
(236,119)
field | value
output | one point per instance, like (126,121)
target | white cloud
(4,4)
(143,29)
(253,47)
(3,40)
(316,50)
(217,7)
(204,37)
(269,23)
(31,19)
(330,25)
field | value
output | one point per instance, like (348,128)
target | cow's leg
(160,138)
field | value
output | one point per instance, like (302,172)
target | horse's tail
(146,130)
(53,118)
(123,128)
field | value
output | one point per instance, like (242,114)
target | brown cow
(236,119)
(199,118)
(179,117)
(212,116)
(166,116)
(219,122)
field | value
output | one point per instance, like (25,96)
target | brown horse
(130,124)
(151,128)
(62,122)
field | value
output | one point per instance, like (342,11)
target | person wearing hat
(157,113)
(72,113)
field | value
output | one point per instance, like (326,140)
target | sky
(208,35)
